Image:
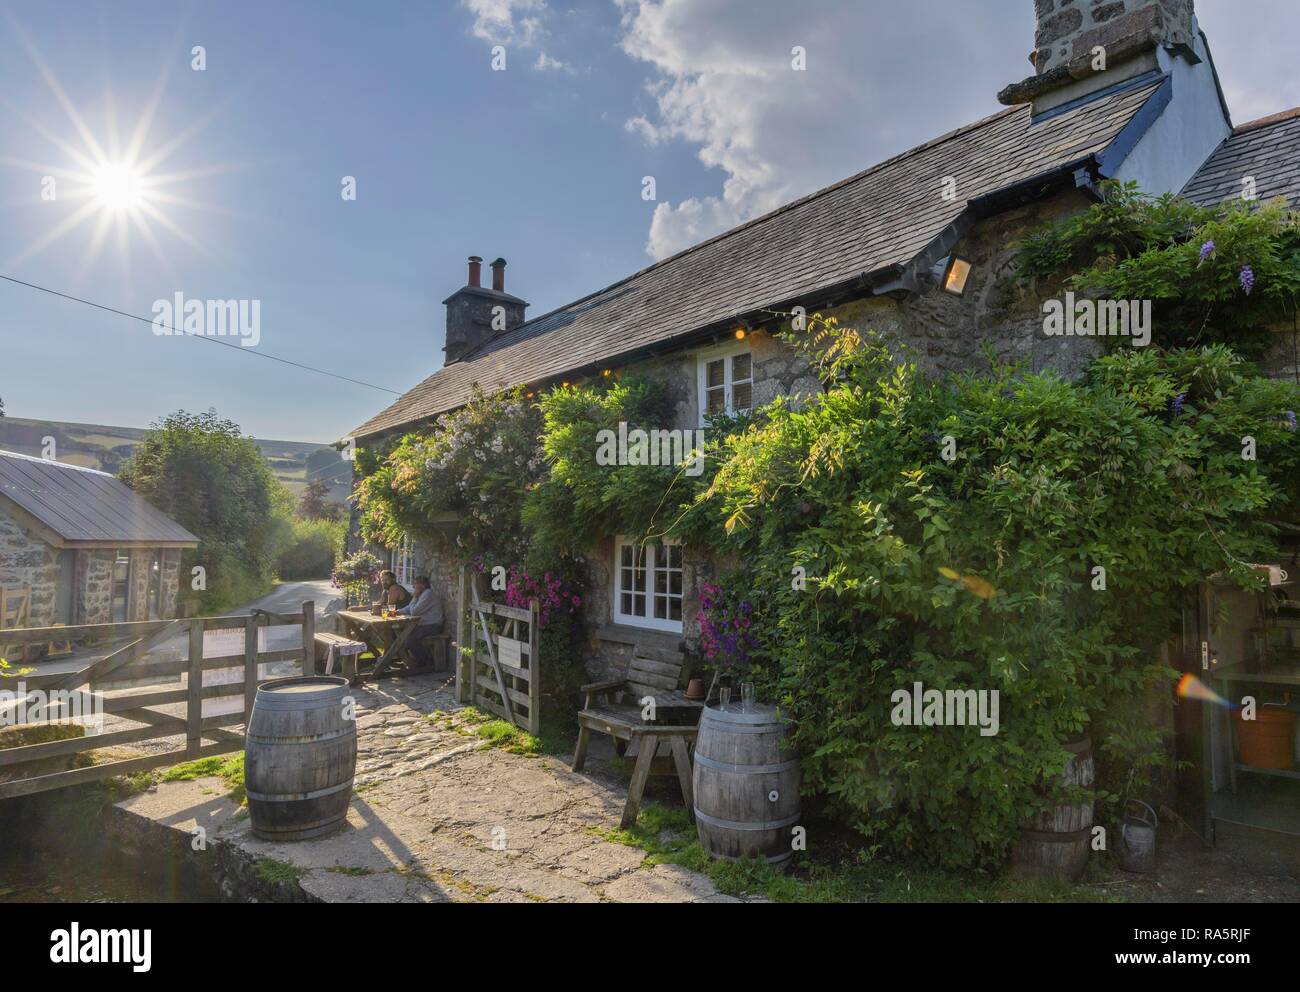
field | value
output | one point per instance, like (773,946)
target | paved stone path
(437,816)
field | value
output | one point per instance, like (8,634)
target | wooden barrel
(1055,843)
(300,755)
(746,786)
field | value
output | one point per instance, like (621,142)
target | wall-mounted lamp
(956,275)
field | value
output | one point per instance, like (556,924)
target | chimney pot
(475,267)
(499,275)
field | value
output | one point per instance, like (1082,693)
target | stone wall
(141,567)
(1070,29)
(943,332)
(94,589)
(171,582)
(138,604)
(28,562)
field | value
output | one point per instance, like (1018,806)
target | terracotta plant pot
(694,689)
(1267,740)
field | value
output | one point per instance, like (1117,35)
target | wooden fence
(204,736)
(501,670)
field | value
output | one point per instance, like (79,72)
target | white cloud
(874,86)
(880,79)
(545,63)
(508,22)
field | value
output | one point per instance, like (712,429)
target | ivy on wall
(1222,274)
(477,462)
(1047,558)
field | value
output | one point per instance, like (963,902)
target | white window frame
(650,622)
(401,563)
(725,352)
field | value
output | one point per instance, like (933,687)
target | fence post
(309,638)
(534,673)
(250,667)
(194,686)
(463,693)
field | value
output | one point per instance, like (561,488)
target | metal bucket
(1137,837)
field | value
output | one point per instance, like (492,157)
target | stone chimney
(1082,46)
(476,315)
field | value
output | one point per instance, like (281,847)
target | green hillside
(105,448)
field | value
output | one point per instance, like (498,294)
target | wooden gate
(136,704)
(500,664)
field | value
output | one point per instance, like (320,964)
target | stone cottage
(80,547)
(919,248)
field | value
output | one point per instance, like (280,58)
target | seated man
(395,594)
(427,608)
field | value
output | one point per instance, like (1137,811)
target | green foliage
(357,574)
(313,548)
(275,872)
(668,837)
(200,470)
(229,768)
(559,584)
(978,574)
(1132,246)
(477,461)
(580,502)
(315,503)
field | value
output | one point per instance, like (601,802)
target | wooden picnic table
(386,636)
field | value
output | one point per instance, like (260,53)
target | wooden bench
(343,647)
(618,707)
(441,652)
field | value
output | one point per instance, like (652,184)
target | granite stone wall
(1070,29)
(28,562)
(94,589)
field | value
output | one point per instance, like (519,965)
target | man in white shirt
(427,609)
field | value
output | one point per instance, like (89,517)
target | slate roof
(82,505)
(877,219)
(1267,149)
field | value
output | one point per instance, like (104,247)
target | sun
(112,188)
(118,186)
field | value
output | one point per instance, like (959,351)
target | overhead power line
(200,337)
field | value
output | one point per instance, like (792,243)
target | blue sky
(541,163)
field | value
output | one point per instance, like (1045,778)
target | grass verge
(228,767)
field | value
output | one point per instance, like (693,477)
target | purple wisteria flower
(1290,418)
(1207,250)
(1247,278)
(1176,404)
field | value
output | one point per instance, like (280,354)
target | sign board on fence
(230,643)
(508,652)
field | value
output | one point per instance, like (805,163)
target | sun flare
(111,187)
(118,186)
